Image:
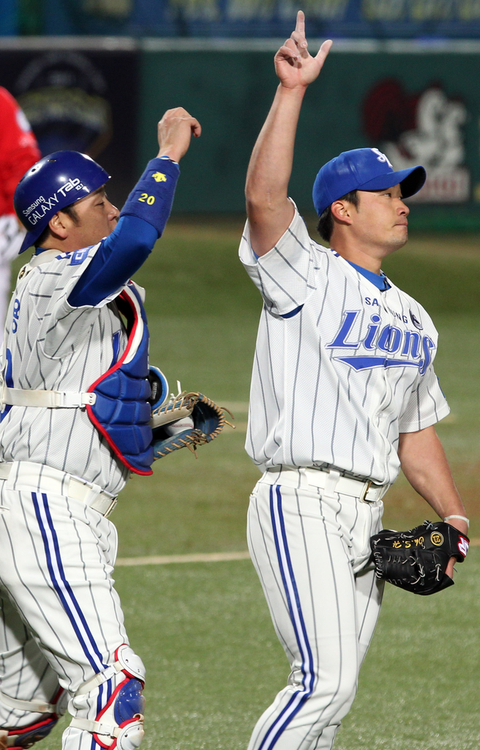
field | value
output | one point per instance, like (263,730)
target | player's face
(380,223)
(97,218)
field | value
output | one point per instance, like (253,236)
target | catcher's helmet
(54,182)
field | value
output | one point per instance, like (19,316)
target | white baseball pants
(61,616)
(310,548)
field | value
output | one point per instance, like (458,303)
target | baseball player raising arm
(343,394)
(75,423)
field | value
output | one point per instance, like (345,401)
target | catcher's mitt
(416,560)
(186,420)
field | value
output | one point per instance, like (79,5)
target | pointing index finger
(300,25)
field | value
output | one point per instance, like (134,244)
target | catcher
(75,423)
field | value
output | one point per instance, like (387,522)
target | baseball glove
(186,420)
(416,560)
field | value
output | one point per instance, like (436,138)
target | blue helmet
(54,182)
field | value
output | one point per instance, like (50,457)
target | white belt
(366,491)
(29,475)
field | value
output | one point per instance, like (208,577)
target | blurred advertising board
(79,96)
(382,19)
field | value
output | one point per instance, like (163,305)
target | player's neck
(369,253)
(364,260)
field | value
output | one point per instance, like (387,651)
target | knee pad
(111,704)
(25,736)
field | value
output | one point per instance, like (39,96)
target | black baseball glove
(416,560)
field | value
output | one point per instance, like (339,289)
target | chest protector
(121,411)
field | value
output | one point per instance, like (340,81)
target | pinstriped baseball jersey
(341,368)
(51,345)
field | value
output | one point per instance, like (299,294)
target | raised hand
(294,65)
(175,130)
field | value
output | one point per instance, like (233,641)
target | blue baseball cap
(362,169)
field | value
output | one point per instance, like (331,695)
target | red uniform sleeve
(18,149)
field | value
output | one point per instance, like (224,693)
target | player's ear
(58,224)
(342,211)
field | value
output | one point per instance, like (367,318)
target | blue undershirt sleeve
(118,257)
(142,221)
(152,197)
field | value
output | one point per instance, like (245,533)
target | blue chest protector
(121,411)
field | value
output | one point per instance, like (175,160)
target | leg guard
(22,737)
(16,739)
(110,706)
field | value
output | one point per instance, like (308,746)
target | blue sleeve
(116,260)
(142,221)
(152,197)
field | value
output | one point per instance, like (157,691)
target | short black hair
(70,211)
(325,223)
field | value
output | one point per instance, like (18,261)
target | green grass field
(203,629)
(214,662)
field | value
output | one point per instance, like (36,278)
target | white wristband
(461,518)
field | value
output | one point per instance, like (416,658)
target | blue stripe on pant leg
(104,694)
(294,606)
(61,585)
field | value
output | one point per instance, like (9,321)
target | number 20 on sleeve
(146,198)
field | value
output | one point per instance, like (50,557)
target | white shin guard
(110,705)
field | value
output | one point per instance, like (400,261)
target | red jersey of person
(18,149)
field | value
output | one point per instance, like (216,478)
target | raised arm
(141,223)
(268,208)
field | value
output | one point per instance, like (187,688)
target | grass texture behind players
(203,630)
(214,663)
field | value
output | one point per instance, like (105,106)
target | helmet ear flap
(52,184)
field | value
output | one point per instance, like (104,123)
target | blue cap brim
(410,180)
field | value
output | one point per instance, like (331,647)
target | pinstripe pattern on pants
(311,554)
(65,591)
